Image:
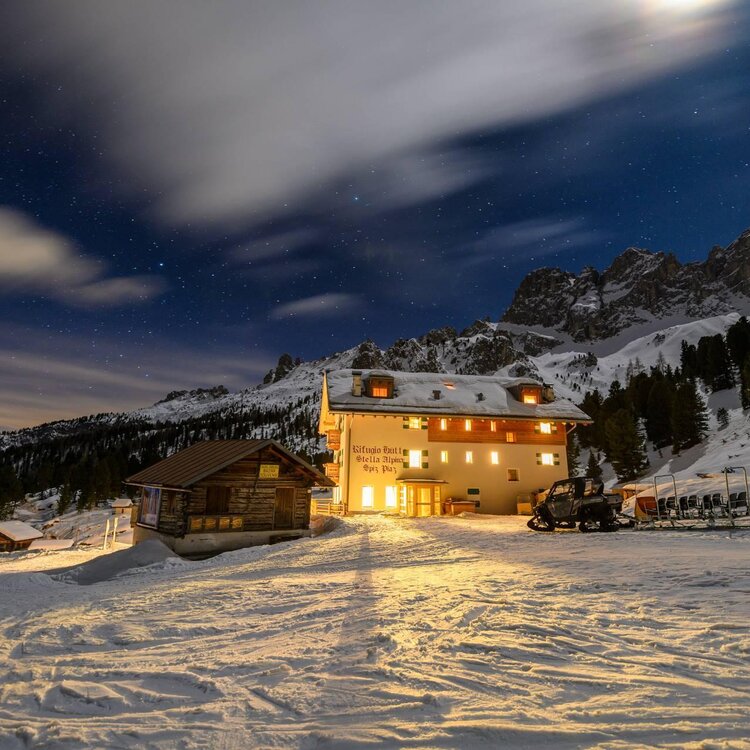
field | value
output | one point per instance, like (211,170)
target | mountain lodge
(407,442)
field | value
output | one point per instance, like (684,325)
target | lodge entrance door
(283,508)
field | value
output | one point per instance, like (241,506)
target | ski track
(398,633)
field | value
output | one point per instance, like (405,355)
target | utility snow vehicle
(576,501)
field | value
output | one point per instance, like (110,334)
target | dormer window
(380,386)
(531,395)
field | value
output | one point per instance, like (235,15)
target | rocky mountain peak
(638,286)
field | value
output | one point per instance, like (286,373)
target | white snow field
(464,633)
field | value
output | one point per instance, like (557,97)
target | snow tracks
(433,633)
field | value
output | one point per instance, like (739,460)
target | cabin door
(283,508)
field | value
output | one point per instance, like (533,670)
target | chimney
(436,395)
(480,396)
(356,383)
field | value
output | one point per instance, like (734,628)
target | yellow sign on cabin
(269,471)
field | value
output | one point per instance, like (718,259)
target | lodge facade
(408,442)
(220,495)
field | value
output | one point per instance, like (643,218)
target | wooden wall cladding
(525,432)
(250,497)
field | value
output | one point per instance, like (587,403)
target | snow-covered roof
(19,531)
(122,502)
(51,544)
(460,395)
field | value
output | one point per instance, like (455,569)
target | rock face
(638,286)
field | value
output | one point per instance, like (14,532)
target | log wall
(250,497)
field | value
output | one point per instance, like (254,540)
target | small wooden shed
(219,495)
(17,535)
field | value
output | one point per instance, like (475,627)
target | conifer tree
(625,449)
(593,469)
(65,500)
(659,413)
(689,420)
(573,451)
(745,383)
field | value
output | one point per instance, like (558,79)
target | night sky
(189,189)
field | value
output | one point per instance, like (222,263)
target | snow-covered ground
(432,633)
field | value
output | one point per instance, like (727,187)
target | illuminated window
(390,497)
(450,386)
(510,437)
(379,391)
(513,475)
(494,458)
(415,459)
(444,457)
(548,459)
(467,425)
(415,423)
(368,494)
(530,398)
(443,424)
(545,428)
(469,457)
(493,426)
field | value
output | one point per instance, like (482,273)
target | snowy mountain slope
(573,371)
(648,302)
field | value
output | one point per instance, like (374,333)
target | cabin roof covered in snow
(19,531)
(460,395)
(122,502)
(186,467)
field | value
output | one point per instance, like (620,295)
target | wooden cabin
(221,495)
(15,535)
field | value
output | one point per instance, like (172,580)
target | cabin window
(510,437)
(380,387)
(548,459)
(493,426)
(467,425)
(391,498)
(368,495)
(545,428)
(217,500)
(168,502)
(443,424)
(469,457)
(494,458)
(443,457)
(513,475)
(414,423)
(415,459)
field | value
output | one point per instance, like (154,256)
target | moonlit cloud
(319,306)
(228,112)
(521,241)
(45,377)
(36,259)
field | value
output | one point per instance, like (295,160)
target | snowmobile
(576,501)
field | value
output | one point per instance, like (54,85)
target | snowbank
(107,567)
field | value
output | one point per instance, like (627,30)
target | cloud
(319,306)
(229,112)
(522,241)
(273,246)
(47,377)
(38,259)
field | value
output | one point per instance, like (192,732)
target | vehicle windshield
(562,491)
